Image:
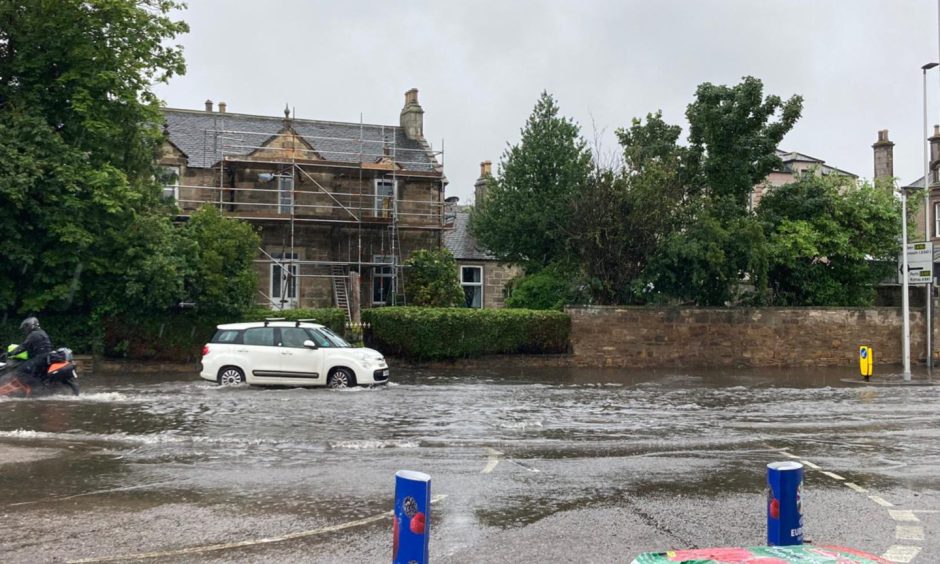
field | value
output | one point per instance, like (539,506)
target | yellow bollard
(865,358)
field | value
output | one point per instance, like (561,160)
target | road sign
(919,263)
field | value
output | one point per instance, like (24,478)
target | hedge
(172,336)
(418,333)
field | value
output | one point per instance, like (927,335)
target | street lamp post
(928,322)
(905,306)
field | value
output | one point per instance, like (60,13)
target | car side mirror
(310,344)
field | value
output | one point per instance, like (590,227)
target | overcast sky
(480,66)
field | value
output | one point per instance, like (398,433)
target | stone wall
(767,337)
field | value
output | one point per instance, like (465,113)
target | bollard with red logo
(784,503)
(411,527)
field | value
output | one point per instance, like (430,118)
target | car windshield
(334,339)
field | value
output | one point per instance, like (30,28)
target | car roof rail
(270,319)
(310,320)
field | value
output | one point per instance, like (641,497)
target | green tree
(830,241)
(431,279)
(221,279)
(522,219)
(79,130)
(722,253)
(622,217)
(735,131)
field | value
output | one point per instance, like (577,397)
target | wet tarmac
(540,465)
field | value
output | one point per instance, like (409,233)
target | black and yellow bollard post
(865,360)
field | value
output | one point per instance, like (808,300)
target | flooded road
(532,466)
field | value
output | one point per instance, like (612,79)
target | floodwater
(148,464)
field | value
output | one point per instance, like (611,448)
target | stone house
(339,206)
(795,166)
(482,277)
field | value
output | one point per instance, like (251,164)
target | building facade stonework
(328,198)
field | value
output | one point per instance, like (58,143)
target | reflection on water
(572,437)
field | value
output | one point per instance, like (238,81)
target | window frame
(936,219)
(174,186)
(275,297)
(285,194)
(382,273)
(381,198)
(468,285)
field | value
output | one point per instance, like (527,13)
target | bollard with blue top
(412,519)
(784,503)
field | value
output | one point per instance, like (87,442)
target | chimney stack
(208,105)
(222,106)
(479,187)
(412,116)
(884,157)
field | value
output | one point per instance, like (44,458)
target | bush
(450,333)
(169,336)
(543,290)
(76,332)
(179,336)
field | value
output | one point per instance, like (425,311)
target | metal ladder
(340,291)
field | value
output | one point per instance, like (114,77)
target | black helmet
(29,324)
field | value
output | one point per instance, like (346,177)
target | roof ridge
(276,118)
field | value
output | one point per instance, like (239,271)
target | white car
(288,353)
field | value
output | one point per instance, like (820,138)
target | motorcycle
(60,377)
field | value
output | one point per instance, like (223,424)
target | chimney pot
(222,106)
(936,131)
(208,105)
(486,169)
(411,97)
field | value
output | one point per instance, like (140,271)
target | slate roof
(792,156)
(199,134)
(460,243)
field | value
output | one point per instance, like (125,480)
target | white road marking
(856,487)
(900,553)
(909,532)
(242,544)
(880,501)
(926,510)
(493,461)
(903,515)
(788,455)
(833,476)
(810,464)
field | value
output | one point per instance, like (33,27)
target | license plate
(385,372)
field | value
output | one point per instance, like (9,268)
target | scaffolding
(354,186)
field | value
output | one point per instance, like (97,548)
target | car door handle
(287,353)
(241,350)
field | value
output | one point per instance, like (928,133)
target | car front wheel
(341,378)
(231,376)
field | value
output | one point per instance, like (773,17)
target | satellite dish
(451,200)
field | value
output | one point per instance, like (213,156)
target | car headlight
(364,360)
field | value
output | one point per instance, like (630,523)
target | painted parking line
(788,455)
(903,515)
(833,475)
(809,464)
(909,532)
(880,501)
(901,553)
(856,487)
(245,543)
(493,460)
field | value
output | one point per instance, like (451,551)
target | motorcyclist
(38,346)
